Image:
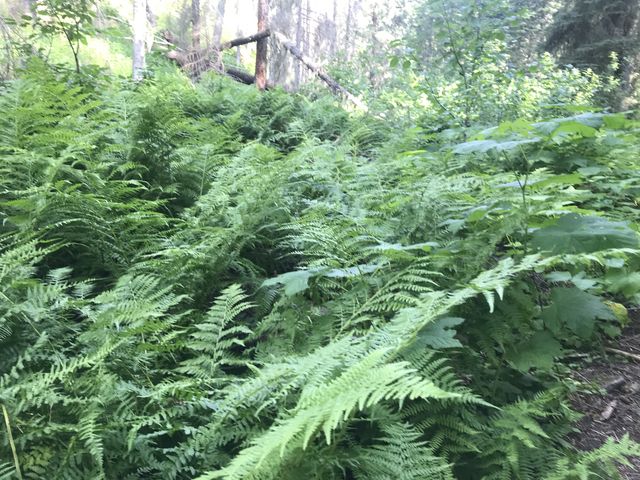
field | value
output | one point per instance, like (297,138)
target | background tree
(139,27)
(196,26)
(261,45)
(586,33)
(219,21)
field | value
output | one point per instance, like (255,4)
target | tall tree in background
(139,36)
(586,32)
(261,46)
(296,66)
(196,25)
(219,22)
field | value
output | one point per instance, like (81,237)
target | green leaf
(298,281)
(576,310)
(294,282)
(483,146)
(567,179)
(575,233)
(439,334)
(538,352)
(572,129)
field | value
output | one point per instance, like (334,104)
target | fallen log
(240,75)
(186,60)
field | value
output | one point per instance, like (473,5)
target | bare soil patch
(615,411)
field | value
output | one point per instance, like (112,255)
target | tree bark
(139,35)
(261,46)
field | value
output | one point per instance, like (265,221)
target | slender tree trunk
(217,29)
(238,33)
(334,32)
(296,67)
(152,23)
(261,46)
(196,25)
(374,48)
(347,35)
(307,34)
(139,34)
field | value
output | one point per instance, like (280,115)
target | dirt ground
(618,411)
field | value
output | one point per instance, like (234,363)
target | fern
(400,454)
(597,463)
(214,337)
(207,281)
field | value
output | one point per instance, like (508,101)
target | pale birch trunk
(139,36)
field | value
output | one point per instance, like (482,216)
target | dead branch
(307,62)
(236,42)
(630,355)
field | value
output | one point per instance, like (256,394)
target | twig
(11,442)
(633,356)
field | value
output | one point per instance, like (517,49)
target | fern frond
(401,455)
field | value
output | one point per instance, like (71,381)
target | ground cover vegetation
(204,280)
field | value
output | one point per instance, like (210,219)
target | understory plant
(204,281)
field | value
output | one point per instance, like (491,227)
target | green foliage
(71,18)
(584,234)
(202,281)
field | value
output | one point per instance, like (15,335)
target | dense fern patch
(211,282)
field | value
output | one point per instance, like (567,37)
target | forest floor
(614,410)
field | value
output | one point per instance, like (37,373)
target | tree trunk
(238,33)
(217,29)
(139,34)
(334,32)
(261,46)
(296,67)
(307,35)
(196,25)
(347,33)
(152,23)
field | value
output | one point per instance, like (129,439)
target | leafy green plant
(201,281)
(71,18)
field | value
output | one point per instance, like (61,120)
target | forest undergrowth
(208,281)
